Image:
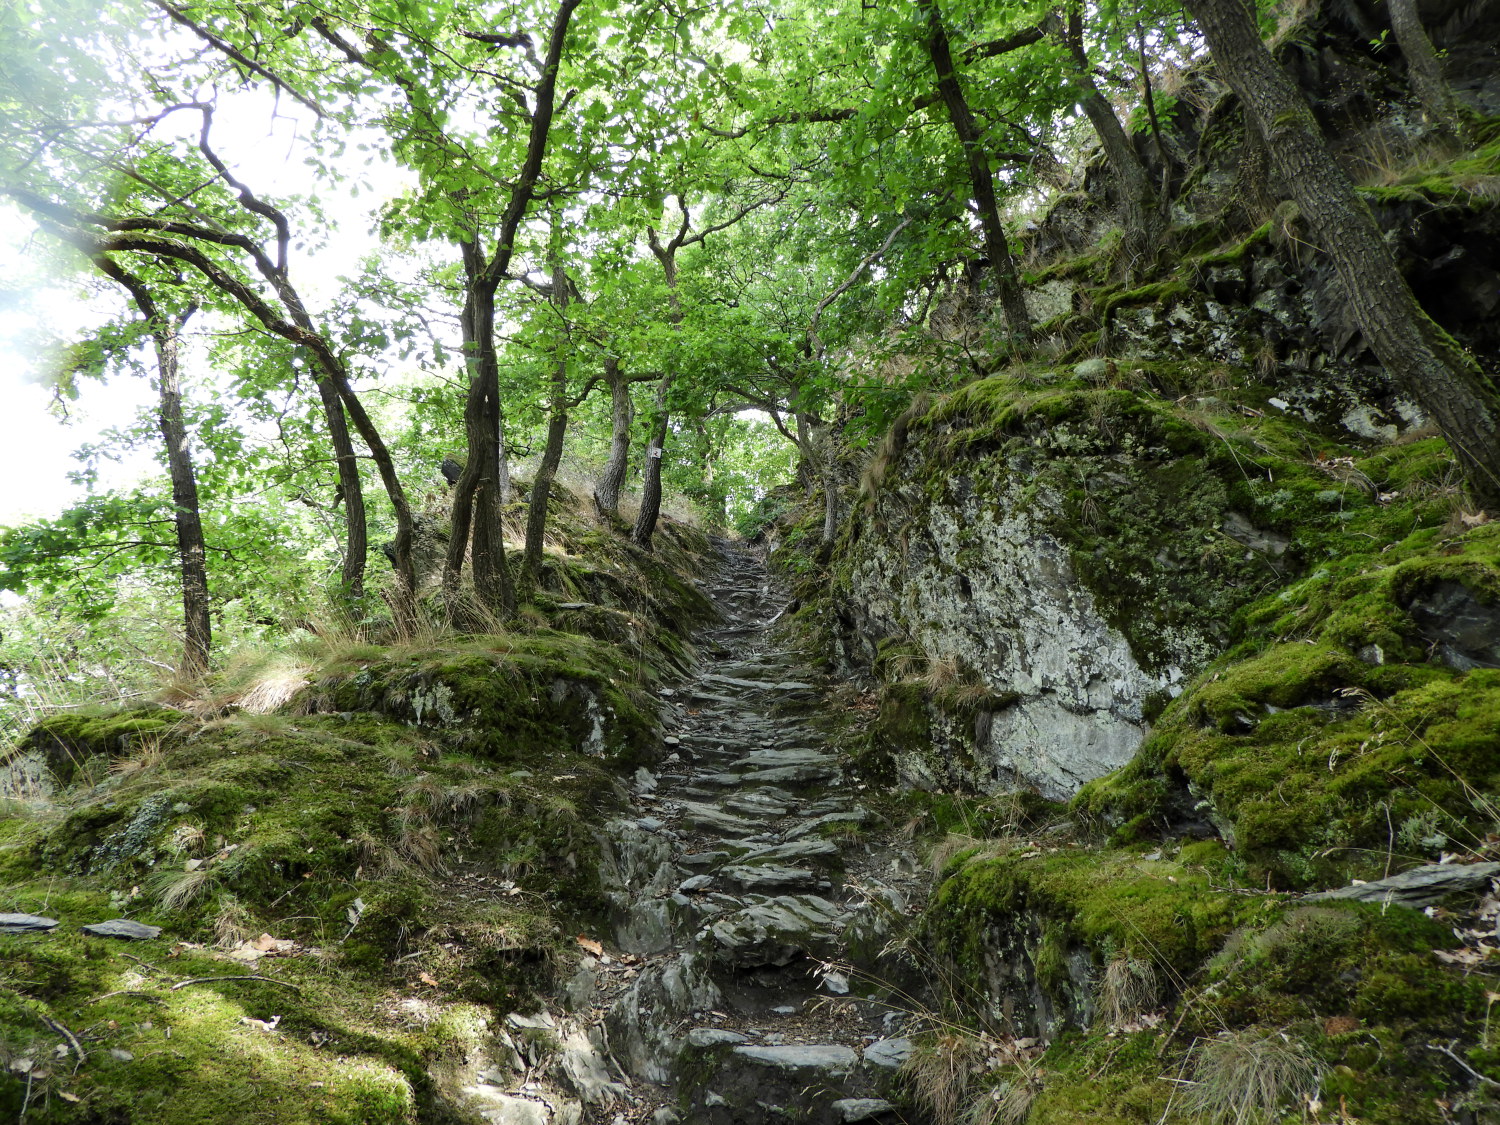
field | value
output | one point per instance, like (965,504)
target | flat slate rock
(123,928)
(796,849)
(705,1037)
(712,818)
(888,1053)
(1419,887)
(849,1110)
(831,1057)
(25,924)
(771,875)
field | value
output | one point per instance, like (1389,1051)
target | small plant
(232,923)
(175,890)
(939,1073)
(1128,988)
(1246,1077)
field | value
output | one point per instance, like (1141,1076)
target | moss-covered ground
(418,889)
(352,889)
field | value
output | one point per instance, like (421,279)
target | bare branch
(849,282)
(238,56)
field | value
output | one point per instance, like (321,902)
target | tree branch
(209,37)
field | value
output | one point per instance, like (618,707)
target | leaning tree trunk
(1425,72)
(982,180)
(192,553)
(1140,208)
(622,413)
(557,430)
(1424,360)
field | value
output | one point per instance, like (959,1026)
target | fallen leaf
(426,978)
(590,945)
(1460,956)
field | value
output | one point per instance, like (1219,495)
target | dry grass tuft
(939,1074)
(1246,1077)
(174,890)
(942,674)
(147,755)
(232,923)
(1128,988)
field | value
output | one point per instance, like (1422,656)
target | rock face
(978,581)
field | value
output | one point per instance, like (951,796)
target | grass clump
(1249,1077)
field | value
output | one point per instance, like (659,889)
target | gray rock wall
(976,580)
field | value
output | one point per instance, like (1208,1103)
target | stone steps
(730,892)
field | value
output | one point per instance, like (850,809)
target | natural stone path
(748,881)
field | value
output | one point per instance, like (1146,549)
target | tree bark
(350,492)
(981,179)
(557,431)
(484,486)
(192,552)
(477,499)
(622,413)
(1140,209)
(1425,73)
(645,520)
(1424,360)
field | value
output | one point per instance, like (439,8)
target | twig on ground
(72,1040)
(208,980)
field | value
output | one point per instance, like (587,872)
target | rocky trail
(749,887)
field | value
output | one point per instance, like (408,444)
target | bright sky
(38,301)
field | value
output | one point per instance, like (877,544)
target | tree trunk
(826,464)
(1012,301)
(350,492)
(622,413)
(477,504)
(484,487)
(645,520)
(1139,206)
(557,430)
(1425,73)
(1425,362)
(192,552)
(403,601)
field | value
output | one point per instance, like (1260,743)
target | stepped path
(747,882)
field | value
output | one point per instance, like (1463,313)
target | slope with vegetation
(1116,387)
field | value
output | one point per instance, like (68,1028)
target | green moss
(1102,1080)
(1110,903)
(509,697)
(339,834)
(71,741)
(1237,253)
